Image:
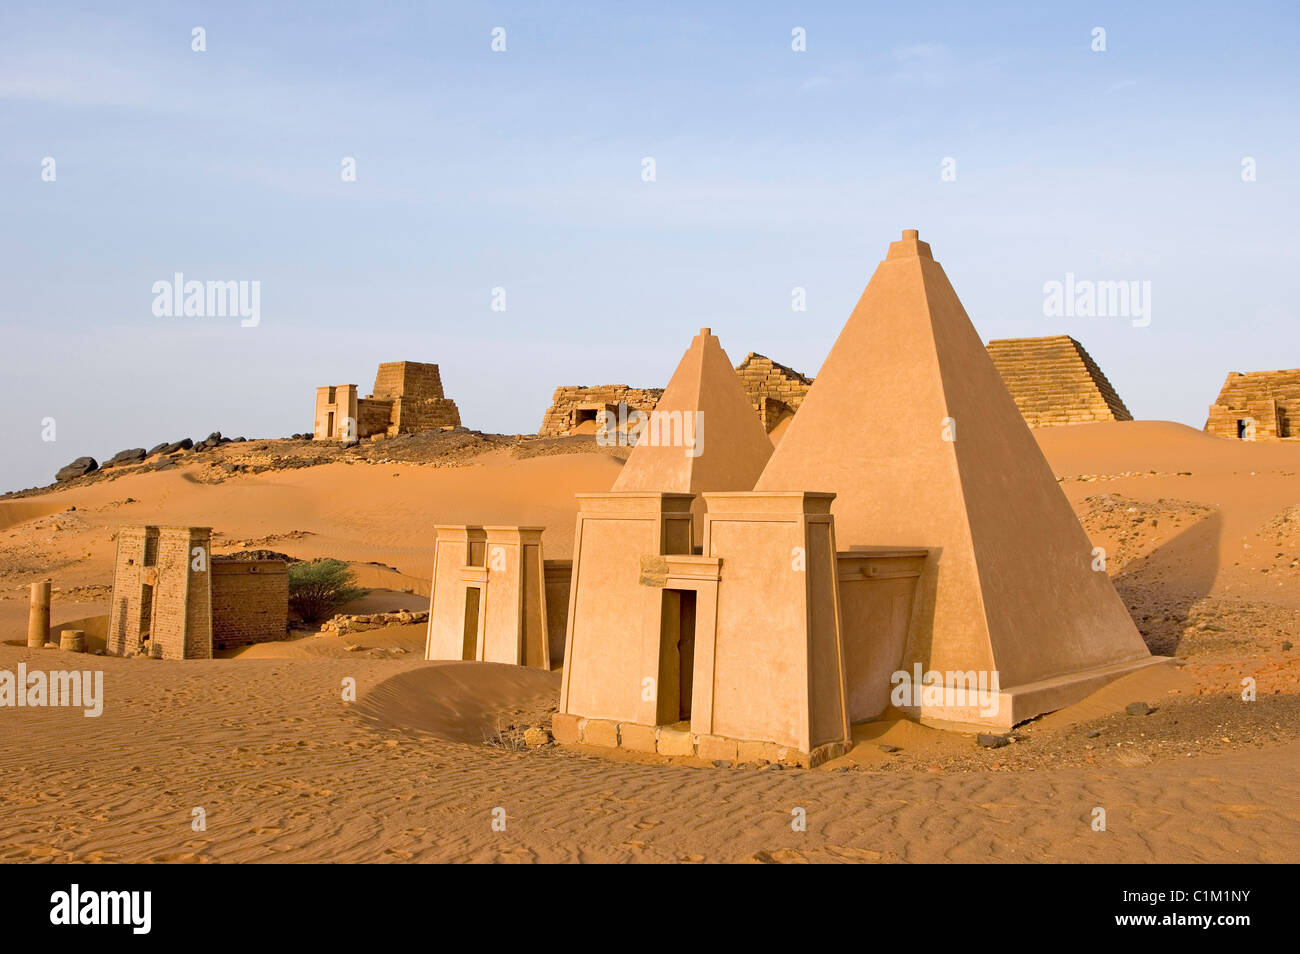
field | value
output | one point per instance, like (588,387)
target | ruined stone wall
(407,399)
(373,416)
(1263,404)
(250,602)
(775,390)
(571,406)
(1055,381)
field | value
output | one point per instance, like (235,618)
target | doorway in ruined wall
(676,657)
(329,424)
(585,420)
(469,638)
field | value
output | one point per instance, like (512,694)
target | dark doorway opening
(677,657)
(469,644)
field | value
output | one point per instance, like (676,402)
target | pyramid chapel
(904,548)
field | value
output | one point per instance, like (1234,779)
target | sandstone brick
(566,728)
(755,752)
(675,742)
(713,747)
(1055,381)
(638,738)
(600,732)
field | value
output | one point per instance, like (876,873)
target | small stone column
(73,640)
(38,616)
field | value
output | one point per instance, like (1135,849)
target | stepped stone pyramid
(705,400)
(1055,381)
(910,425)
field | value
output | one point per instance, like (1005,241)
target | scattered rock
(342,624)
(132,455)
(78,468)
(1093,733)
(984,740)
(1286,646)
(889,748)
(1138,709)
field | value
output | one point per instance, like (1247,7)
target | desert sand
(1202,537)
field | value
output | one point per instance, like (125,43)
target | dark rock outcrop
(78,468)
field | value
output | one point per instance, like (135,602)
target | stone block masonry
(1257,405)
(775,390)
(576,409)
(162,597)
(1055,381)
(250,602)
(407,399)
(172,600)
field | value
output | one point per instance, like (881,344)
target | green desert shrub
(318,586)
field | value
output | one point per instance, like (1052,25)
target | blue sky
(522,170)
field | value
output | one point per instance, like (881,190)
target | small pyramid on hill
(726,445)
(910,425)
(1055,381)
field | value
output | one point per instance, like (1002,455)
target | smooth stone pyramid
(909,423)
(725,445)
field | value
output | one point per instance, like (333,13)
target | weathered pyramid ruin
(577,409)
(1055,381)
(407,399)
(774,390)
(1257,406)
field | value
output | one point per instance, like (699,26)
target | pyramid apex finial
(706,331)
(910,246)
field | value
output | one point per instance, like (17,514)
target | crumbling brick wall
(575,409)
(775,390)
(1258,405)
(250,602)
(1055,381)
(373,416)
